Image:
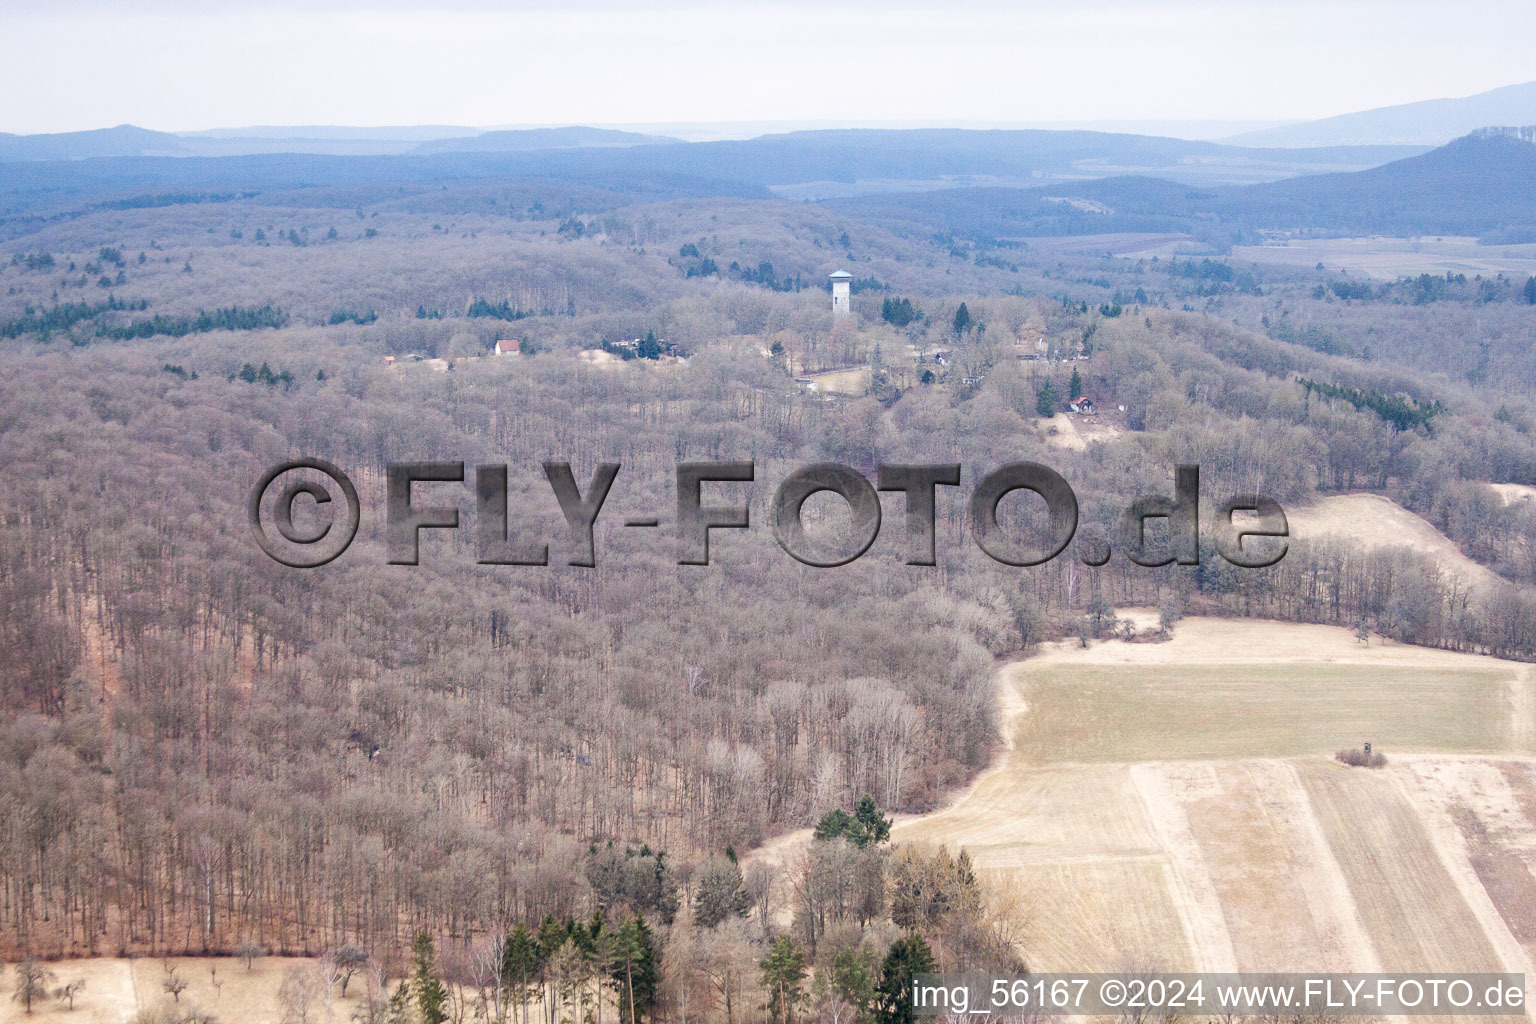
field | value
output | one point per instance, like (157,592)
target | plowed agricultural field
(1176,805)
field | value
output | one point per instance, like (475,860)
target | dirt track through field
(1452,843)
(1345,943)
(1164,790)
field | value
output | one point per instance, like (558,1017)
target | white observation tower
(840,280)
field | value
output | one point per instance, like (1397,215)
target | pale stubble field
(1176,806)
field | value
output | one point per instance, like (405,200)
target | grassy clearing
(1166,712)
(1371,521)
(854,381)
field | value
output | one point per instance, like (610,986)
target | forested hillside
(48,177)
(1472,186)
(202,748)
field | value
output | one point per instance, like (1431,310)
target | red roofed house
(506,347)
(1081,405)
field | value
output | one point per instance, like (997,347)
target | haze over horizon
(606,63)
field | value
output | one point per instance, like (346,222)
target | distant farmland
(1386,259)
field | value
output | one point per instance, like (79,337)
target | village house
(507,347)
(1038,349)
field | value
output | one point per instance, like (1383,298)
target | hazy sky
(177,65)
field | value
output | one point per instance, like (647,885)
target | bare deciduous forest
(202,751)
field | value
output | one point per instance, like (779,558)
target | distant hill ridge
(124,140)
(128,140)
(1474,185)
(1425,123)
(521,140)
(1477,185)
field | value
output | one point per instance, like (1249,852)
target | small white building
(507,347)
(841,280)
